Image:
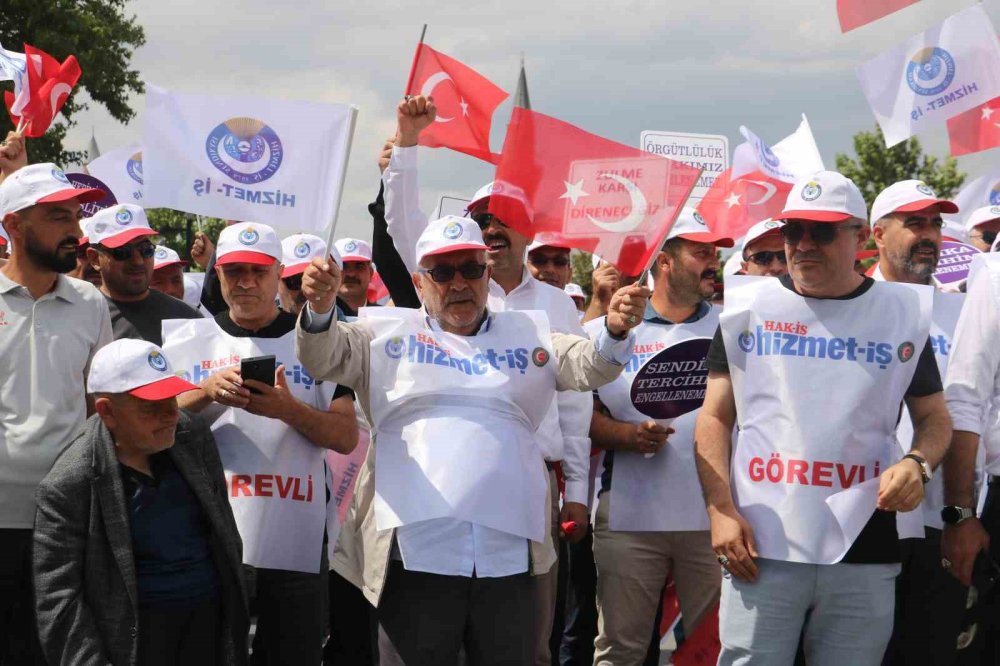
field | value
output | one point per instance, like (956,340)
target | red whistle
(569,526)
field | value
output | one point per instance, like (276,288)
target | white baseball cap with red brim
(825,196)
(136,367)
(982,216)
(547,239)
(118,225)
(163,256)
(41,183)
(248,243)
(298,251)
(763,228)
(690,225)
(353,249)
(575,291)
(908,196)
(449,234)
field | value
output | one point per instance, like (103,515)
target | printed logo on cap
(905,351)
(771,224)
(249,236)
(497,188)
(923,188)
(301,250)
(133,167)
(60,175)
(699,219)
(994,210)
(539,356)
(245,149)
(123,216)
(161,253)
(99,228)
(930,71)
(350,246)
(157,361)
(811,191)
(394,347)
(746,341)
(452,230)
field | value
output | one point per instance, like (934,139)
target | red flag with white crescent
(465,103)
(856,13)
(49,84)
(976,129)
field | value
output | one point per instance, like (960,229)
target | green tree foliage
(103,39)
(177,230)
(582,268)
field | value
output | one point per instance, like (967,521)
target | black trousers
(987,643)
(426,619)
(353,631)
(19,644)
(181,636)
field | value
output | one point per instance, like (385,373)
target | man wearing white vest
(564,435)
(653,522)
(454,522)
(813,368)
(906,225)
(271,438)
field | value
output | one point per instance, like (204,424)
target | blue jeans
(843,612)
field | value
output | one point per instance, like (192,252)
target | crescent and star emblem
(770,188)
(428,89)
(630,222)
(58,90)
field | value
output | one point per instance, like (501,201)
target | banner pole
(343,177)
(416,56)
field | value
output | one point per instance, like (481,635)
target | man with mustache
(121,250)
(813,368)
(50,328)
(448,537)
(906,225)
(564,436)
(649,459)
(549,261)
(357,262)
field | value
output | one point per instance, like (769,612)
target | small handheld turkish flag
(975,130)
(600,196)
(465,103)
(49,85)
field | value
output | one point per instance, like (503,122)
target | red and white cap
(690,225)
(85,225)
(548,239)
(353,249)
(247,243)
(981,216)
(908,196)
(575,291)
(117,225)
(298,251)
(498,188)
(449,234)
(164,256)
(135,367)
(763,228)
(825,196)
(41,183)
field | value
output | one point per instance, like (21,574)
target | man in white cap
(564,437)
(297,251)
(84,270)
(356,256)
(446,540)
(651,519)
(907,223)
(272,432)
(121,250)
(549,261)
(575,292)
(813,367)
(982,225)
(137,559)
(168,272)
(763,251)
(50,328)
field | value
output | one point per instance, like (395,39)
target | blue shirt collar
(653,317)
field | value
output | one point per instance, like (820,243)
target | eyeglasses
(988,236)
(821,233)
(559,260)
(486,219)
(124,253)
(446,273)
(293,282)
(765,257)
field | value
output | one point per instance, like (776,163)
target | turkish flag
(600,196)
(975,130)
(702,647)
(49,85)
(856,13)
(465,103)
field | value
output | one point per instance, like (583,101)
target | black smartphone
(258,368)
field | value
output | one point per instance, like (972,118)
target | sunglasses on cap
(125,252)
(484,220)
(446,273)
(558,260)
(293,282)
(765,257)
(821,233)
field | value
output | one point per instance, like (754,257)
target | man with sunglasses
(121,250)
(813,367)
(447,536)
(982,226)
(549,262)
(564,435)
(297,251)
(651,519)
(764,250)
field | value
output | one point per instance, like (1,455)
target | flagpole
(413,66)
(20,125)
(343,177)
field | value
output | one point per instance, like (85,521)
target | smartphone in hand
(258,368)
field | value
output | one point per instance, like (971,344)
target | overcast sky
(611,68)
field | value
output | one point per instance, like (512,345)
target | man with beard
(563,436)
(906,225)
(763,250)
(649,442)
(50,328)
(356,256)
(549,262)
(168,272)
(121,250)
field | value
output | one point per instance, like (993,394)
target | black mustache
(495,235)
(350,280)
(708,274)
(923,245)
(464,295)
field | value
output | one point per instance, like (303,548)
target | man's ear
(94,258)
(418,284)
(105,408)
(865,231)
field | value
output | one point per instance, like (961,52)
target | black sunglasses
(821,233)
(988,236)
(446,273)
(486,219)
(765,257)
(559,261)
(124,253)
(293,282)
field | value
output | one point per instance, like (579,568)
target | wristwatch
(925,469)
(954,515)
